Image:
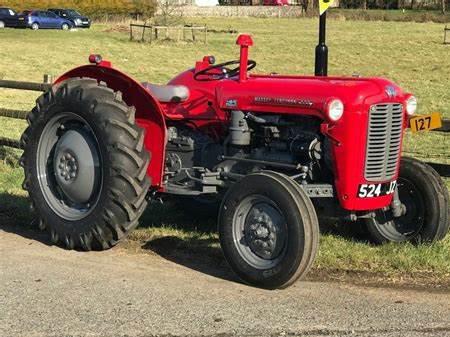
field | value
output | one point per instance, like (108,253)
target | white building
(206,3)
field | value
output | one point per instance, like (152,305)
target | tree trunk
(443,6)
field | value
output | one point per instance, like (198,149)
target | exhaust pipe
(321,68)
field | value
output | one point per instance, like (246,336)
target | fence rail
(151,33)
(442,169)
(16,114)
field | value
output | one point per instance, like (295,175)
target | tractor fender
(149,114)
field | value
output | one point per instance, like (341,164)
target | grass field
(412,54)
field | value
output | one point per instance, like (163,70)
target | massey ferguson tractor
(279,151)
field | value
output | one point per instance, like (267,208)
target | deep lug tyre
(426,199)
(268,230)
(85,165)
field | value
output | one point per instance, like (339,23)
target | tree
(169,12)
(146,8)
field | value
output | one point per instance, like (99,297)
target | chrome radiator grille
(383,142)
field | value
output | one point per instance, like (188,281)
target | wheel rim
(2,24)
(69,166)
(407,226)
(35,26)
(65,27)
(260,232)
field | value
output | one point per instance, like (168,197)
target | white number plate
(376,190)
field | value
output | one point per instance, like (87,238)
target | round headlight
(411,105)
(335,110)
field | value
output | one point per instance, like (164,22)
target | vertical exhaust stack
(321,68)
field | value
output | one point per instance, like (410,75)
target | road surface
(47,291)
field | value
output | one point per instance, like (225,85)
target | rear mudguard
(149,114)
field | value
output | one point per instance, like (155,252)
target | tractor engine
(196,164)
(288,143)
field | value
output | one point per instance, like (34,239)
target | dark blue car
(45,20)
(8,18)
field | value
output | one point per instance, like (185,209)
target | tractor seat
(168,93)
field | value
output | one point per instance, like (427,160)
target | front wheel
(268,230)
(35,26)
(65,26)
(2,24)
(426,208)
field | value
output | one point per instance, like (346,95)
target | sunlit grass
(411,54)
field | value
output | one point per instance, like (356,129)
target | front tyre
(65,26)
(426,208)
(35,26)
(268,230)
(85,165)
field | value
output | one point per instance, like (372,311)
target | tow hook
(398,209)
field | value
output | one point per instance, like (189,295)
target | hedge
(88,7)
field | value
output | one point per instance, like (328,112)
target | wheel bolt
(73,175)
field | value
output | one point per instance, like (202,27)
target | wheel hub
(263,232)
(76,166)
(68,167)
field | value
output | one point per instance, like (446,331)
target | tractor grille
(384,140)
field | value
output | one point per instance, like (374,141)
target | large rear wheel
(85,165)
(268,230)
(425,201)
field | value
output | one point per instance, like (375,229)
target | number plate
(376,190)
(425,122)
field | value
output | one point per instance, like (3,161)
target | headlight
(335,110)
(411,105)
(78,22)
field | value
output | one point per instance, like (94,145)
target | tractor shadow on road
(16,218)
(197,255)
(187,237)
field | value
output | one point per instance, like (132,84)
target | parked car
(45,20)
(75,17)
(276,3)
(8,18)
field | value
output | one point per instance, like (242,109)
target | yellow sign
(324,4)
(426,122)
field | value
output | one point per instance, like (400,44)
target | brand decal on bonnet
(262,100)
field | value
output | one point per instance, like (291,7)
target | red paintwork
(244,41)
(210,102)
(276,3)
(148,110)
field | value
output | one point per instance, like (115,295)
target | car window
(11,12)
(51,15)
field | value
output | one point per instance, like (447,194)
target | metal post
(321,68)
(48,79)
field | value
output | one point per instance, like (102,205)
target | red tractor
(278,151)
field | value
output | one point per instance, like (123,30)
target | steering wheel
(212,74)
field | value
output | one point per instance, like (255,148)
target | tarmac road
(47,291)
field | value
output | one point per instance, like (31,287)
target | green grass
(411,54)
